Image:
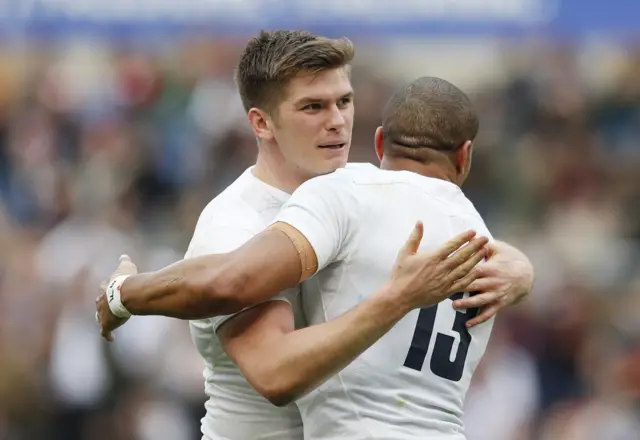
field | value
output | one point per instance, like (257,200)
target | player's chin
(329,166)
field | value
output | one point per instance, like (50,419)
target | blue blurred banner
(572,18)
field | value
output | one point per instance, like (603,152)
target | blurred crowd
(108,149)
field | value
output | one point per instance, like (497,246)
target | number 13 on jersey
(440,364)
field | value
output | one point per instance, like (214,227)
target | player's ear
(469,147)
(378,142)
(261,124)
(463,160)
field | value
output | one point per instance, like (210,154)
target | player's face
(313,124)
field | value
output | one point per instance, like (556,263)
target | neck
(272,169)
(435,169)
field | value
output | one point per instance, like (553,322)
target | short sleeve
(325,211)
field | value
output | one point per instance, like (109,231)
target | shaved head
(429,113)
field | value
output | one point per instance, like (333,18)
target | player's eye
(313,106)
(344,101)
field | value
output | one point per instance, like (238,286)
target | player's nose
(336,118)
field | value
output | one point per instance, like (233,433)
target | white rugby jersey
(235,411)
(410,384)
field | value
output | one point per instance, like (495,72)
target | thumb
(413,243)
(126,266)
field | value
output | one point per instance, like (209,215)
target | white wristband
(113,297)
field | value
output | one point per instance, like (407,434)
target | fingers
(492,250)
(466,252)
(469,262)
(462,285)
(125,262)
(483,285)
(488,269)
(125,266)
(454,244)
(476,301)
(107,335)
(413,243)
(104,333)
(486,314)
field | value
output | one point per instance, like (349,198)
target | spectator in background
(139,134)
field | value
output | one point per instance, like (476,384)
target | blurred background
(119,121)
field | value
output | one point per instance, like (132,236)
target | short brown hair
(272,59)
(429,113)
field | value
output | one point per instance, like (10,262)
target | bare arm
(280,363)
(218,284)
(283,364)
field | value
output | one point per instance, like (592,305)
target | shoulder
(343,178)
(228,210)
(226,223)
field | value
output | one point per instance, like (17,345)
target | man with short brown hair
(302,124)
(272,59)
(288,82)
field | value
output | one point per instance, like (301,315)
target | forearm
(216,284)
(297,362)
(187,289)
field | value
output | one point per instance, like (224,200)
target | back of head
(426,117)
(272,59)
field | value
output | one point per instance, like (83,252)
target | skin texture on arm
(206,286)
(223,284)
(282,363)
(217,284)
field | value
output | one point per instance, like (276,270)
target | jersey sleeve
(325,211)
(222,239)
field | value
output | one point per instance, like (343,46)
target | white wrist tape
(113,297)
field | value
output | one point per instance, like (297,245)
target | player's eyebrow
(311,99)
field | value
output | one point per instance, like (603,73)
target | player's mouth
(333,146)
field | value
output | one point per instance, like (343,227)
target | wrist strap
(113,297)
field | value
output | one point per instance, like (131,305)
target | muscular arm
(217,284)
(280,363)
(283,364)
